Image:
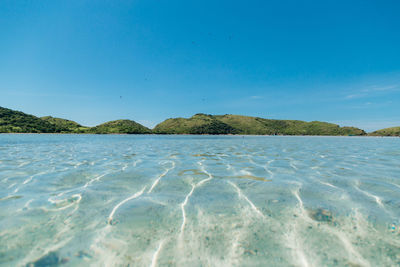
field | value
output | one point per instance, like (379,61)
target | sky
(149,60)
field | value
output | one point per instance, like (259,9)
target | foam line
(124,167)
(304,213)
(161,176)
(227,165)
(328,184)
(137,194)
(28,180)
(294,241)
(23,164)
(267,170)
(261,166)
(206,172)
(183,204)
(183,208)
(293,166)
(136,162)
(28,202)
(95,179)
(396,185)
(241,195)
(155,255)
(377,199)
(79,164)
(296,194)
(32,176)
(78,196)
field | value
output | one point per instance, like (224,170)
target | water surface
(142,200)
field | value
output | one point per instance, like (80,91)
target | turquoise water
(79,200)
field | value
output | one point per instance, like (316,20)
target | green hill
(18,122)
(236,124)
(12,121)
(393,131)
(120,127)
(198,124)
(66,126)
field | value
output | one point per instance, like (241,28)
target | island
(12,121)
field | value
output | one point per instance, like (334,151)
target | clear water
(79,200)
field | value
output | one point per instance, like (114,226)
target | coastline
(238,135)
(17,122)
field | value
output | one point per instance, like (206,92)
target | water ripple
(199,200)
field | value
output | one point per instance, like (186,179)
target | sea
(187,200)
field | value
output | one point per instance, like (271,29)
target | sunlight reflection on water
(199,200)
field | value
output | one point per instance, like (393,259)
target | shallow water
(79,200)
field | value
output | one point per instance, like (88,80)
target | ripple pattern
(119,200)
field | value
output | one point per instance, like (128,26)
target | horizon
(151,60)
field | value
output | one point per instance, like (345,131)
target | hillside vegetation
(393,131)
(236,124)
(12,121)
(198,124)
(120,127)
(65,126)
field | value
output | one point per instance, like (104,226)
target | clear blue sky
(148,60)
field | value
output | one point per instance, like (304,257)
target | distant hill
(65,126)
(120,127)
(393,131)
(12,121)
(198,124)
(237,124)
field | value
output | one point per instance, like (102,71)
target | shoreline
(238,135)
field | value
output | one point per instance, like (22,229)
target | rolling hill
(120,127)
(393,131)
(237,124)
(12,121)
(66,126)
